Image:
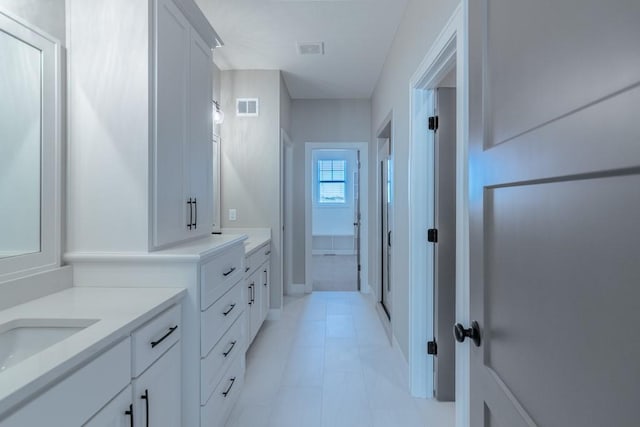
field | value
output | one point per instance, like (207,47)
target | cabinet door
(116,413)
(157,392)
(171,212)
(200,143)
(265,291)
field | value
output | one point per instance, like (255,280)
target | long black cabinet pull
(231,270)
(231,307)
(266,281)
(250,294)
(145,397)
(195,217)
(225,393)
(130,414)
(190,203)
(226,353)
(164,337)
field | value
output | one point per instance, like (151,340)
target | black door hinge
(432,348)
(359,268)
(432,235)
(433,123)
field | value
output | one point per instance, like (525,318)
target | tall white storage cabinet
(140,124)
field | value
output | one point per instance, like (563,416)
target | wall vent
(247,107)
(311,48)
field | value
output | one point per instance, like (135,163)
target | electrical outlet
(233,214)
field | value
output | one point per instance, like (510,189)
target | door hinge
(432,235)
(432,348)
(433,123)
(389,238)
(359,268)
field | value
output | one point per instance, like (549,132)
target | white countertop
(256,237)
(118,310)
(193,251)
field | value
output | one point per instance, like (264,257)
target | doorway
(336,190)
(385,214)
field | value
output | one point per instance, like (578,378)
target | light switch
(233,214)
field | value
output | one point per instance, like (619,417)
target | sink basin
(22,338)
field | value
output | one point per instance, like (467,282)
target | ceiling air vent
(247,107)
(310,48)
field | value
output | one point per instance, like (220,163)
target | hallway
(328,363)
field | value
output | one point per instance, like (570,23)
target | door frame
(450,47)
(364,206)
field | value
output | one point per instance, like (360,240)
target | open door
(555,204)
(444,242)
(385,227)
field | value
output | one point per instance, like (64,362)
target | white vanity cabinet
(257,283)
(213,337)
(148,116)
(108,390)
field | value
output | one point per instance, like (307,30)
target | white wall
(251,159)
(422,22)
(335,120)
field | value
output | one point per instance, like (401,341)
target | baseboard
(333,252)
(274,314)
(365,288)
(405,370)
(296,289)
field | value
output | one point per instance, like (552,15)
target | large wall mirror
(29,149)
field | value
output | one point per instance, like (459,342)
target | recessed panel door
(555,202)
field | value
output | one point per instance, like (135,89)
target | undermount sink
(22,338)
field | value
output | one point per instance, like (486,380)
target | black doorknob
(473,332)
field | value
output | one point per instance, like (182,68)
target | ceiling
(263,35)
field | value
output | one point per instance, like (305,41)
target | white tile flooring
(328,363)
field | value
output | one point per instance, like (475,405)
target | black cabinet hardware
(250,294)
(145,397)
(190,203)
(246,269)
(225,393)
(226,353)
(130,414)
(231,270)
(164,337)
(195,216)
(267,253)
(231,307)
(460,333)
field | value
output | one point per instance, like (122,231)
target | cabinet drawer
(217,319)
(257,257)
(75,399)
(154,338)
(218,408)
(220,274)
(230,346)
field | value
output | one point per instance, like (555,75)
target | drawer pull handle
(267,253)
(145,397)
(231,307)
(247,269)
(225,393)
(226,353)
(130,414)
(231,270)
(164,337)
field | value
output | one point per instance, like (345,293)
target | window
(332,181)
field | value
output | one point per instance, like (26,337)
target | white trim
(364,203)
(296,289)
(450,47)
(48,257)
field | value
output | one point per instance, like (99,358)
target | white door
(445,242)
(555,209)
(117,413)
(171,121)
(157,393)
(357,217)
(200,142)
(385,226)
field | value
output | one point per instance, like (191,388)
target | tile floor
(328,363)
(335,273)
